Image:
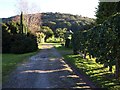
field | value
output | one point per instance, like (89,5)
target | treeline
(54,21)
(16,38)
(102,42)
(105,10)
(69,21)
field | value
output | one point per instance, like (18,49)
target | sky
(85,8)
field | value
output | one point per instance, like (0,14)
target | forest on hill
(69,21)
(54,21)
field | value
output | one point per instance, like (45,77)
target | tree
(13,28)
(106,9)
(25,9)
(61,34)
(68,38)
(6,38)
(40,37)
(47,31)
(102,42)
(21,23)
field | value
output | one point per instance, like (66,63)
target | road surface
(46,69)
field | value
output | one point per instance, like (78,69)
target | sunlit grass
(11,61)
(96,72)
(40,45)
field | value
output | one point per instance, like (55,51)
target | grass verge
(94,71)
(11,61)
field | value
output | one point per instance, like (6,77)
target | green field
(92,70)
(11,61)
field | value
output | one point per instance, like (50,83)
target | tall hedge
(102,42)
(16,42)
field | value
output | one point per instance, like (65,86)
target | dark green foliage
(60,32)
(21,23)
(13,28)
(14,41)
(67,43)
(51,20)
(22,44)
(69,21)
(68,36)
(6,38)
(47,31)
(75,42)
(101,42)
(106,9)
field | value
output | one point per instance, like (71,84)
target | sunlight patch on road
(82,85)
(70,76)
(73,76)
(52,59)
(46,71)
(47,46)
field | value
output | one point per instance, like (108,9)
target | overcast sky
(77,7)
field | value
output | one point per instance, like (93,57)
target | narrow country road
(46,69)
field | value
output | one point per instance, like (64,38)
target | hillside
(54,21)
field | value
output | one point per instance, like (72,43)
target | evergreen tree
(21,23)
(106,9)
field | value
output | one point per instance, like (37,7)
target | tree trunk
(21,23)
(105,65)
(75,52)
(90,56)
(110,68)
(118,68)
(67,43)
(85,55)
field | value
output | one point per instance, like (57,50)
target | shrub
(53,40)
(22,44)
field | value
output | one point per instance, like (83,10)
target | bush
(14,42)
(22,44)
(53,40)
(6,38)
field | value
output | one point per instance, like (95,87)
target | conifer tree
(21,23)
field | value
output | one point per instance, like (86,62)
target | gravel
(46,69)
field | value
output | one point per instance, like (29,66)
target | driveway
(46,69)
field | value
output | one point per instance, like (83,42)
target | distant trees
(40,37)
(16,34)
(25,9)
(52,24)
(47,31)
(60,33)
(71,22)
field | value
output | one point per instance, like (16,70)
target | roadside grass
(11,61)
(99,75)
(0,70)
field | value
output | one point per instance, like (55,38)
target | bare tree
(28,10)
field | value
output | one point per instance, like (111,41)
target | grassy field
(94,71)
(11,61)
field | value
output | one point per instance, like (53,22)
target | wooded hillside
(54,21)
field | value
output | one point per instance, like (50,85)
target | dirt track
(46,69)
